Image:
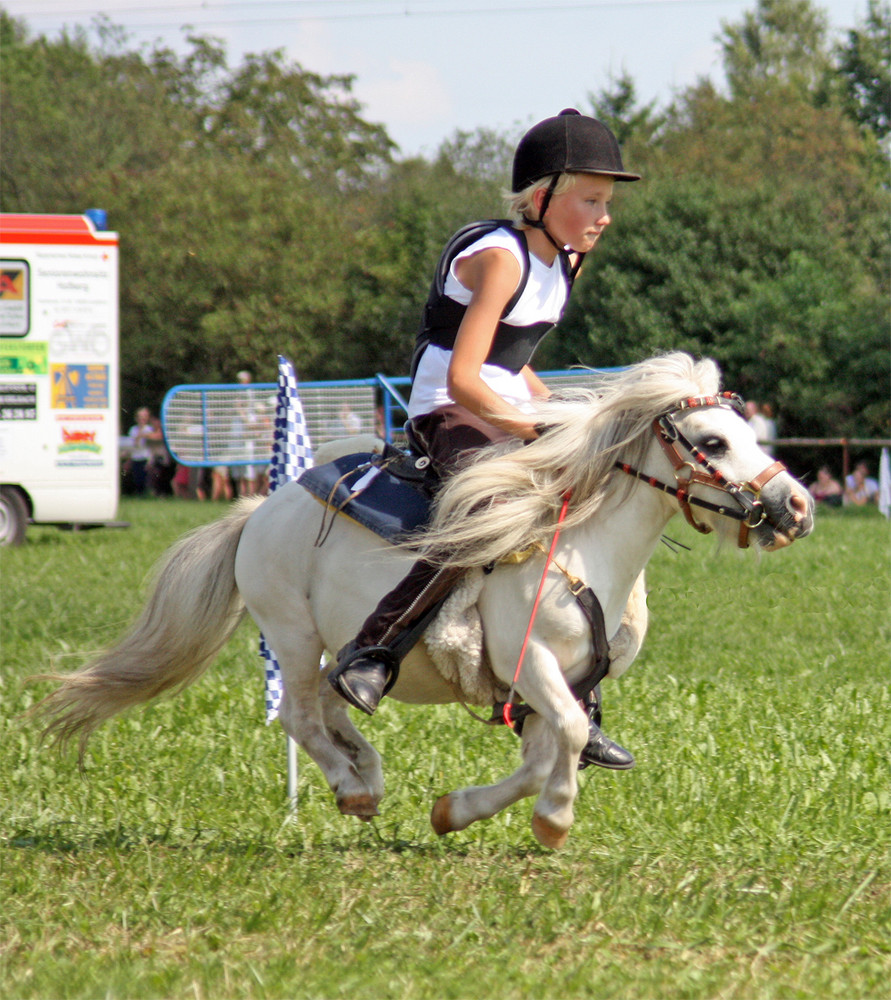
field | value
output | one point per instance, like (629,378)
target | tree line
(261,213)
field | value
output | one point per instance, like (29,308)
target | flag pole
(291,457)
(293,772)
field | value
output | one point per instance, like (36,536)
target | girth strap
(590,607)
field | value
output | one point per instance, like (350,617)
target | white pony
(626,454)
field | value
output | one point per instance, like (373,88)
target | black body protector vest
(512,346)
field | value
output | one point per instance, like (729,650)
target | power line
(397,9)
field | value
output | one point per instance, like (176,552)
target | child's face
(577,217)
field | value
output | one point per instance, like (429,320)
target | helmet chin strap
(540,224)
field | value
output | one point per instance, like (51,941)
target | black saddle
(390,494)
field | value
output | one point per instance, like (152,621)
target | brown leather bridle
(697,469)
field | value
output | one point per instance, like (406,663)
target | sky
(427,68)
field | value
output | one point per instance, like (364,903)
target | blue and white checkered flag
(291,456)
(291,448)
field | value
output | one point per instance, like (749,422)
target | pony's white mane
(510,497)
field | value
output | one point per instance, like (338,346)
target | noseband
(696,469)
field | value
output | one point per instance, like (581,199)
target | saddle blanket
(360,489)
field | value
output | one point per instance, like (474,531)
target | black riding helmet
(569,143)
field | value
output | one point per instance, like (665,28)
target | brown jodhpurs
(447,435)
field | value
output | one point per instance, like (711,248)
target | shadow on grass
(70,838)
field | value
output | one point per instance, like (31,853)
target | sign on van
(59,372)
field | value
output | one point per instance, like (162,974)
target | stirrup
(379,656)
(352,652)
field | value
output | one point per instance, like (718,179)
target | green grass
(746,856)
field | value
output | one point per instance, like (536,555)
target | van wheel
(13,516)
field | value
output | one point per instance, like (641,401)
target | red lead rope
(508,721)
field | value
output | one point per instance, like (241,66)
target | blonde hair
(523,202)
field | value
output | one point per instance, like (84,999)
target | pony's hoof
(362,806)
(441,815)
(547,834)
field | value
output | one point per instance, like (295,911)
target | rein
(506,716)
(700,471)
(511,713)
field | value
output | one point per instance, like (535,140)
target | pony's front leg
(552,741)
(556,737)
(460,808)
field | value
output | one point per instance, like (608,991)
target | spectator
(161,465)
(769,422)
(380,423)
(141,437)
(826,490)
(349,422)
(249,429)
(756,421)
(860,488)
(204,484)
(181,482)
(221,484)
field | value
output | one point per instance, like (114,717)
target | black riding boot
(369,666)
(363,676)
(600,749)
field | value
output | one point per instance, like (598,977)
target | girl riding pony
(500,288)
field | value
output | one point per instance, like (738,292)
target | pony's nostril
(798,504)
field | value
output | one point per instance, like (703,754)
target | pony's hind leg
(302,718)
(274,562)
(347,738)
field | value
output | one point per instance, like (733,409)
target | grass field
(746,856)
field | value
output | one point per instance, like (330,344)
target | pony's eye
(715,446)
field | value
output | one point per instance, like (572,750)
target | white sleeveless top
(543,300)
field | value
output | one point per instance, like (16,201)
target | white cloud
(411,92)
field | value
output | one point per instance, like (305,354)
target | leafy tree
(411,213)
(482,156)
(758,238)
(272,110)
(232,191)
(822,340)
(780,41)
(72,117)
(235,286)
(737,274)
(260,212)
(864,64)
(619,109)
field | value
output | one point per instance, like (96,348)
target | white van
(58,372)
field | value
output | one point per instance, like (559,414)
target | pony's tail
(192,610)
